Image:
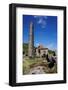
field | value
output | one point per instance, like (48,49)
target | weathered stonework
(41,51)
(31,40)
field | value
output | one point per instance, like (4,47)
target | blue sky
(45,30)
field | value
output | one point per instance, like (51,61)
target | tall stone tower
(31,40)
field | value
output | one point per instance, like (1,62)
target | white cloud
(41,20)
(35,16)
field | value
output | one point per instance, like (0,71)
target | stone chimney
(31,40)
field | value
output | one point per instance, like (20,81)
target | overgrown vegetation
(25,48)
(51,52)
(30,63)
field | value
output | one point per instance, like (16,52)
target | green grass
(30,63)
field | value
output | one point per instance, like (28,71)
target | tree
(39,51)
(54,54)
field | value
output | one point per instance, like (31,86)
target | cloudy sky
(45,30)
